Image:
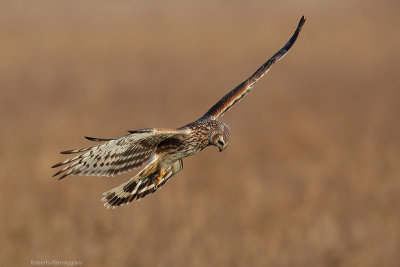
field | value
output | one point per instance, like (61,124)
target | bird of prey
(160,150)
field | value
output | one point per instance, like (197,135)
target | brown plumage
(161,149)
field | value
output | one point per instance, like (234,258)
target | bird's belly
(175,149)
(173,154)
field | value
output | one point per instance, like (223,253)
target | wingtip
(57,173)
(57,165)
(293,39)
(67,152)
(301,22)
(63,176)
(94,139)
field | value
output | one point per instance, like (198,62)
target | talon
(159,178)
(158,181)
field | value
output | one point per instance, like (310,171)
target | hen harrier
(161,149)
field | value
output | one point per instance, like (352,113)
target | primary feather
(116,156)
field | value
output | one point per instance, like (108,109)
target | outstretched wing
(245,87)
(138,187)
(116,155)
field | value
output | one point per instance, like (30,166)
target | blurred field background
(311,176)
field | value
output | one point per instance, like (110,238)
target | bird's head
(220,136)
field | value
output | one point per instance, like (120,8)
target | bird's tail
(138,187)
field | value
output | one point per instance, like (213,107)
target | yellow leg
(160,177)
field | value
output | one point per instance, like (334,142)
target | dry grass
(311,177)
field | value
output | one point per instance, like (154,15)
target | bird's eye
(220,143)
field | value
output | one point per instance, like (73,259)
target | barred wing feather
(115,156)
